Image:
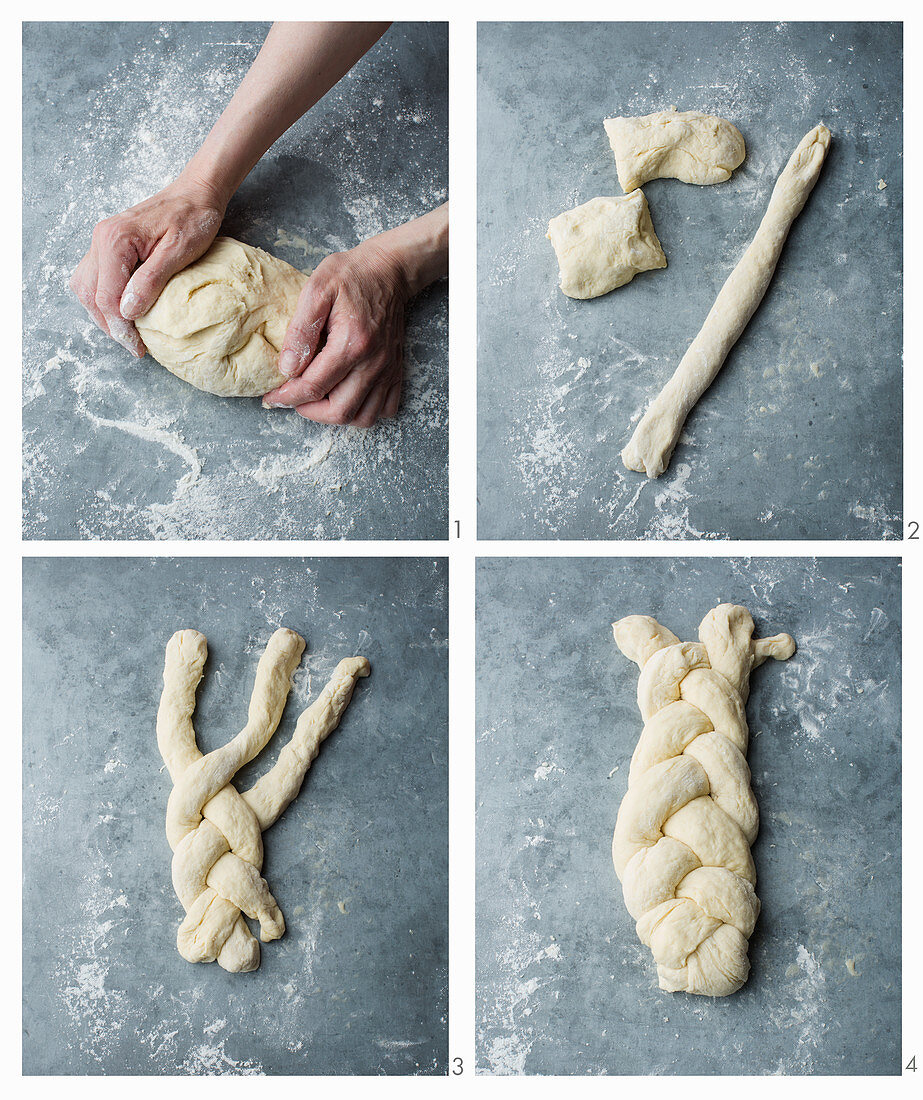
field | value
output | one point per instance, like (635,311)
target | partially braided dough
(214,830)
(682,839)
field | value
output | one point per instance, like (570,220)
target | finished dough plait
(215,831)
(682,839)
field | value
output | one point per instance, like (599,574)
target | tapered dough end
(644,460)
(354,666)
(189,646)
(806,161)
(287,642)
(779,648)
(639,637)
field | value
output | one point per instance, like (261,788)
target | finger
(341,404)
(117,258)
(392,401)
(333,363)
(303,335)
(83,284)
(370,409)
(170,255)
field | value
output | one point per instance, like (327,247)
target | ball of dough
(681,145)
(219,323)
(604,243)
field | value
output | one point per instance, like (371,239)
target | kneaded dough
(219,323)
(604,243)
(680,145)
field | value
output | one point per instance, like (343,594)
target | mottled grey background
(117,448)
(358,862)
(800,435)
(563,985)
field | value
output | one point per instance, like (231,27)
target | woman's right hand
(134,254)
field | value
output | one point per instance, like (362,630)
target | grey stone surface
(358,862)
(563,985)
(800,435)
(116,448)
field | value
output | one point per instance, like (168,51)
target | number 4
(912,1064)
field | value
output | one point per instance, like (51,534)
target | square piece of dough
(604,243)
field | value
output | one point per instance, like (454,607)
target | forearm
(420,248)
(297,65)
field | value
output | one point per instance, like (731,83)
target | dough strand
(650,447)
(681,847)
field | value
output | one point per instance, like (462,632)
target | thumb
(144,287)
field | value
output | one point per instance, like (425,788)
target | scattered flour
(251,472)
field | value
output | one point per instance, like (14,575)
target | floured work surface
(563,985)
(117,448)
(358,862)
(800,435)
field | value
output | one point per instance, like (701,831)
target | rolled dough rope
(650,447)
(215,831)
(682,840)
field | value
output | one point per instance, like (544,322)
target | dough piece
(686,145)
(604,243)
(219,323)
(650,447)
(681,847)
(215,831)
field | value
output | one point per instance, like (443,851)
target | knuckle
(361,343)
(107,231)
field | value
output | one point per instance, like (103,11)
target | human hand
(343,350)
(134,254)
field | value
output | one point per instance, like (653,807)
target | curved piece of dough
(220,322)
(650,447)
(604,243)
(681,846)
(680,145)
(216,832)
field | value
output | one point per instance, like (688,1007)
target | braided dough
(650,447)
(220,322)
(215,831)
(604,243)
(682,840)
(679,145)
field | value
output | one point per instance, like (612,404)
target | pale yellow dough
(657,433)
(219,323)
(682,840)
(682,145)
(215,831)
(604,243)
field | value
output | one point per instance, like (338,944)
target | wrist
(418,250)
(205,188)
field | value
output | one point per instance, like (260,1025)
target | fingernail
(272,405)
(128,306)
(288,363)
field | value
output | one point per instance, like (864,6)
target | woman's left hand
(344,347)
